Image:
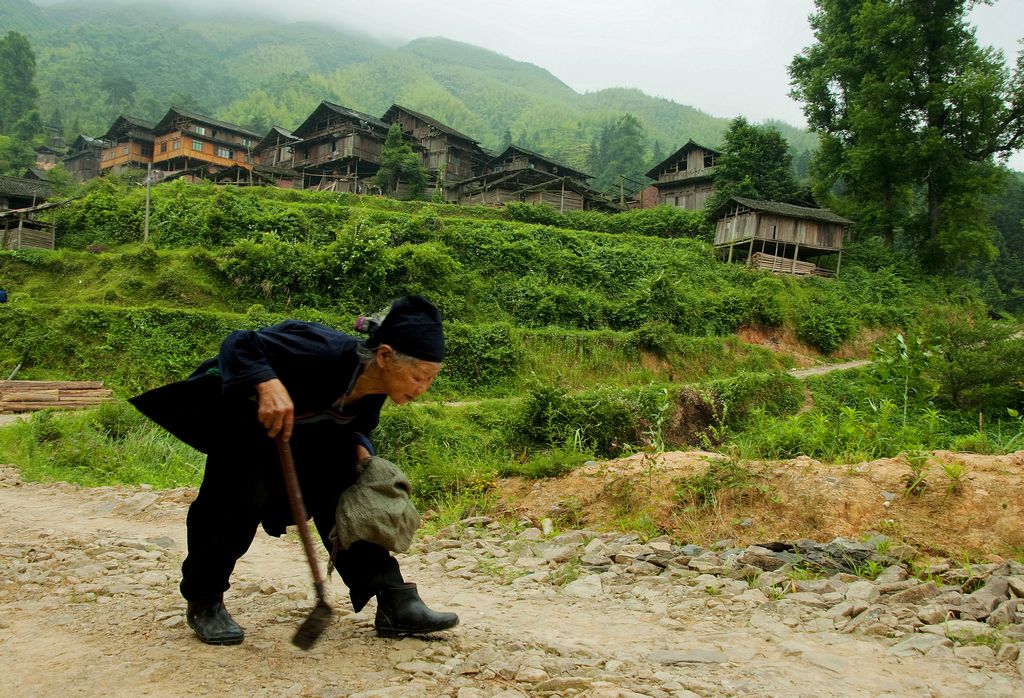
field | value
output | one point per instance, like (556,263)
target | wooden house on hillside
(338,147)
(685,179)
(128,144)
(83,158)
(448,155)
(780,237)
(272,158)
(23,222)
(518,174)
(184,140)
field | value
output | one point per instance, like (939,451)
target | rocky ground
(89,606)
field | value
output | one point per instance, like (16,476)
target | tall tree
(911,112)
(755,162)
(398,164)
(121,91)
(619,153)
(18,93)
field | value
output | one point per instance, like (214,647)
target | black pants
(242,487)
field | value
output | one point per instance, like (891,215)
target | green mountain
(96,61)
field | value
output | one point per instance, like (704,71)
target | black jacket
(318,366)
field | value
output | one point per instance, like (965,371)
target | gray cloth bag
(376,508)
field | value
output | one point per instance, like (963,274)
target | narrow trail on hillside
(89,606)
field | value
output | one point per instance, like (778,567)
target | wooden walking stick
(316,623)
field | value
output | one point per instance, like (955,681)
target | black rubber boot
(401,611)
(213,624)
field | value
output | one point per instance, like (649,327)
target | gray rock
(807,599)
(958,629)
(1006,613)
(815,586)
(995,591)
(531,534)
(919,644)
(1007,653)
(586,587)
(932,615)
(846,609)
(862,591)
(760,558)
(136,504)
(827,661)
(895,573)
(975,655)
(558,553)
(915,594)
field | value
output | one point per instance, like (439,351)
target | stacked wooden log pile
(29,396)
(760,260)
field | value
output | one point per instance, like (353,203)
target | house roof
(429,120)
(84,142)
(779,208)
(545,158)
(123,124)
(686,148)
(275,136)
(165,123)
(27,188)
(351,115)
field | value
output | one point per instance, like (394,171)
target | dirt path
(89,606)
(827,368)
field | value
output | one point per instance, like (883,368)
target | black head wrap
(412,327)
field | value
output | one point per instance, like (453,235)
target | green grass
(111,445)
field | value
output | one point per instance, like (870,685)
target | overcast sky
(724,57)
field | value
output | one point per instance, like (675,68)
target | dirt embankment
(978,514)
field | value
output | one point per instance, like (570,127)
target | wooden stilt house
(338,148)
(518,174)
(685,179)
(83,158)
(128,144)
(780,237)
(447,155)
(273,157)
(26,218)
(184,140)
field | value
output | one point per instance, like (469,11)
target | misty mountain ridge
(96,60)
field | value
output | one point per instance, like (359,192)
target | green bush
(825,325)
(774,393)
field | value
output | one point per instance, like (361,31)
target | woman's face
(405,379)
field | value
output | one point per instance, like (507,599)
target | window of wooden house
(176,144)
(247,142)
(147,150)
(223,152)
(682,165)
(709,160)
(124,150)
(201,130)
(197,145)
(163,147)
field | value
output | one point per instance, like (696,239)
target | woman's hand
(276,411)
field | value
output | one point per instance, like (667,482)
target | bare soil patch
(979,516)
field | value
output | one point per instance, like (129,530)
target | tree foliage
(755,163)
(911,112)
(400,165)
(20,123)
(618,152)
